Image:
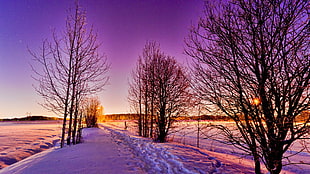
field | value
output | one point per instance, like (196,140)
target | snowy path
(175,158)
(98,154)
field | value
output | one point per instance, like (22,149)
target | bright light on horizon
(256,101)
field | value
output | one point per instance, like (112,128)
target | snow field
(186,133)
(19,140)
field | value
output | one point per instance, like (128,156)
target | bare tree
(172,94)
(251,62)
(160,87)
(72,68)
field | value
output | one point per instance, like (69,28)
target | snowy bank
(98,154)
(21,139)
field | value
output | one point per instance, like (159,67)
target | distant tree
(71,68)
(160,88)
(91,109)
(251,63)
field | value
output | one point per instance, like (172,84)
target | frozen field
(19,140)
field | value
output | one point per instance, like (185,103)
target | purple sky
(123,27)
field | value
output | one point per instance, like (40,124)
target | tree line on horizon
(31,118)
(250,62)
(135,117)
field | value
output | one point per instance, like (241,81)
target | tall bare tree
(71,68)
(159,91)
(251,62)
(172,94)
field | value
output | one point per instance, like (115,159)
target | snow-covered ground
(175,158)
(185,136)
(112,149)
(188,135)
(22,139)
(99,153)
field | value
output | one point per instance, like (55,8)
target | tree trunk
(69,130)
(79,134)
(162,126)
(152,122)
(274,162)
(75,124)
(62,142)
(257,164)
(140,123)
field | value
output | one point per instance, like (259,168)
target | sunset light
(256,101)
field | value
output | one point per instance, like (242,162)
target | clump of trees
(251,63)
(91,109)
(159,92)
(71,68)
